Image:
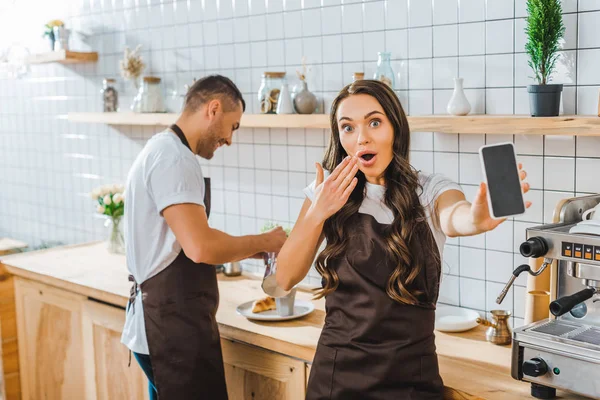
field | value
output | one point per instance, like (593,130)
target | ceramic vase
(284,103)
(458,105)
(305,102)
(61,38)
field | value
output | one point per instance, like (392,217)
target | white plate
(455,319)
(301,308)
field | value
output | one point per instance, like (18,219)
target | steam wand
(517,272)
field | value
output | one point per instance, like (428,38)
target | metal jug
(233,268)
(498,332)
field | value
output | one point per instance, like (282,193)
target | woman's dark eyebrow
(365,117)
(371,113)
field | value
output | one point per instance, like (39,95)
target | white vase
(284,103)
(458,104)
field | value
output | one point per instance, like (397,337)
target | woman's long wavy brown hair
(405,235)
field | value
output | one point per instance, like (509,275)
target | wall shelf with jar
(62,56)
(577,125)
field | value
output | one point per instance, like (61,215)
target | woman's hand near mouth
(332,193)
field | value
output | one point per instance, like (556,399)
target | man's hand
(274,240)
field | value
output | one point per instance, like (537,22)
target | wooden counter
(87,287)
(8,246)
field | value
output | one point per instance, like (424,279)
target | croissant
(266,304)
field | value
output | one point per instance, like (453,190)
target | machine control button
(567,249)
(588,252)
(597,253)
(578,250)
(535,367)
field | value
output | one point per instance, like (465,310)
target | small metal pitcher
(233,268)
(499,331)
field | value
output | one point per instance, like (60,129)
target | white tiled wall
(48,165)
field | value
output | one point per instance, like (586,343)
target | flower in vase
(110,200)
(48,28)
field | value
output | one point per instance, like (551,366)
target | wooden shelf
(320,121)
(124,118)
(580,125)
(62,56)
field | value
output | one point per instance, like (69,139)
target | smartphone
(501,172)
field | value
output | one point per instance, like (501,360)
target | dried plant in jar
(132,64)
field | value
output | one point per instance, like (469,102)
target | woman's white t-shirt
(373,204)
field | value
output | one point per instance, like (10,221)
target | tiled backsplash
(48,165)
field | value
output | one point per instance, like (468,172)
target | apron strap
(179,133)
(132,293)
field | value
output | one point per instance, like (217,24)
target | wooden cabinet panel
(107,375)
(11,385)
(254,373)
(50,342)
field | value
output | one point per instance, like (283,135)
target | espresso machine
(562,351)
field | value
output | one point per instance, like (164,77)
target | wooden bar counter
(70,312)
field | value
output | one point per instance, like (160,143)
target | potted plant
(544,31)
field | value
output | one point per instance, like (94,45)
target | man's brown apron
(371,346)
(180,305)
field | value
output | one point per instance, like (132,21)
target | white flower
(100,209)
(107,200)
(95,194)
(115,188)
(117,198)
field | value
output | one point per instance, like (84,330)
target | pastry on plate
(261,305)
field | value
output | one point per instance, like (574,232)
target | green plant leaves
(544,31)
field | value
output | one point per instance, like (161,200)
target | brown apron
(371,346)
(180,305)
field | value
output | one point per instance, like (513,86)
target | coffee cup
(592,213)
(285,304)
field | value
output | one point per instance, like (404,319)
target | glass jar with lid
(149,98)
(110,96)
(268,93)
(358,76)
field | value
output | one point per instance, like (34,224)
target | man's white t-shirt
(164,173)
(373,204)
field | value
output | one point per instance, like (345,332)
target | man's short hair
(213,87)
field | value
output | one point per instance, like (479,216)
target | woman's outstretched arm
(458,217)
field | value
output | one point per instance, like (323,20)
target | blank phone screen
(504,184)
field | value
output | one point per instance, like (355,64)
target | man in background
(171,250)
